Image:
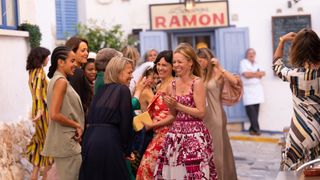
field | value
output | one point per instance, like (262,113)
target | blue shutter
(153,40)
(66,18)
(231,44)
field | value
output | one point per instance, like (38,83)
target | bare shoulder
(198,81)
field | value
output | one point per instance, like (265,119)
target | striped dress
(303,140)
(38,87)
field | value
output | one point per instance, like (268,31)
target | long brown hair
(305,48)
(187,51)
(206,54)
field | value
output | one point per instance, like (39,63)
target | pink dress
(187,151)
(157,109)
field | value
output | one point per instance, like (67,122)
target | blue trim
(4,17)
(17,13)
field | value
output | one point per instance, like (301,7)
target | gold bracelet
(281,39)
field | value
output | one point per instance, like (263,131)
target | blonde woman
(187,151)
(214,77)
(109,132)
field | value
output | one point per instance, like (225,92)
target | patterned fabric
(158,111)
(38,86)
(303,140)
(187,152)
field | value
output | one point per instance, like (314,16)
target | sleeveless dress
(216,121)
(158,110)
(187,152)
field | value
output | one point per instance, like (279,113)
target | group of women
(88,134)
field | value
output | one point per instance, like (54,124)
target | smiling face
(82,53)
(181,64)
(90,71)
(125,75)
(68,65)
(164,69)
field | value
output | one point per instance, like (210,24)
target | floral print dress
(187,152)
(158,111)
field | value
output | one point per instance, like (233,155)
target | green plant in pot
(34,33)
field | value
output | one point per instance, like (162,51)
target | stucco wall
(276,112)
(15,98)
(14,93)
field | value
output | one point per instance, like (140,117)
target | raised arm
(224,72)
(279,51)
(279,67)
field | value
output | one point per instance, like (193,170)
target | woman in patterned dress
(187,152)
(160,114)
(37,59)
(303,140)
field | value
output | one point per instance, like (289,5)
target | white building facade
(252,16)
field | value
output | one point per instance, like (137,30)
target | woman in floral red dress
(187,152)
(160,115)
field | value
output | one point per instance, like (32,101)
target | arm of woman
(233,79)
(125,124)
(199,99)
(167,121)
(278,66)
(59,90)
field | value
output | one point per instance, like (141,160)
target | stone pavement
(257,157)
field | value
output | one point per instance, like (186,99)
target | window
(9,14)
(66,18)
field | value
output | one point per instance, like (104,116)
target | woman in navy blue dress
(109,131)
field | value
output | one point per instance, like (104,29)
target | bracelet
(281,39)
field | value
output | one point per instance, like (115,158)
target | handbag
(231,93)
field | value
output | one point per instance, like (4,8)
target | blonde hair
(131,53)
(206,54)
(114,68)
(187,51)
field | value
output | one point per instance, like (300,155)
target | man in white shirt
(251,75)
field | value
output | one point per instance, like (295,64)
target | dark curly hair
(36,57)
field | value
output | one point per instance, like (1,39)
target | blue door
(231,44)
(157,40)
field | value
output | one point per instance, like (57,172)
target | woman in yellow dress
(37,59)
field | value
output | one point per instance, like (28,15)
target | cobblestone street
(255,158)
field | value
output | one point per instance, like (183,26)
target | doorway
(196,40)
